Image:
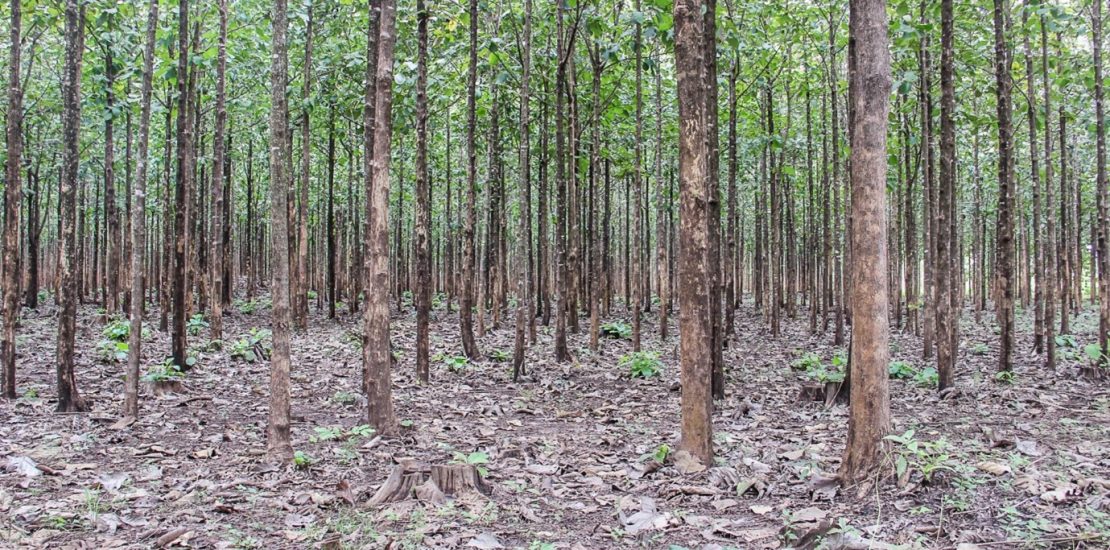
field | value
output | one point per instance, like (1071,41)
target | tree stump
(429,483)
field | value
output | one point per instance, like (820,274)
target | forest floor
(570,451)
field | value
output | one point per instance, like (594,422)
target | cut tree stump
(429,483)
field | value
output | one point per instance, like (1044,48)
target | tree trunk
(376,349)
(278,442)
(180,285)
(423,296)
(218,223)
(869,413)
(946,257)
(138,223)
(466,299)
(69,400)
(696,326)
(1004,231)
(524,310)
(1102,196)
(12,199)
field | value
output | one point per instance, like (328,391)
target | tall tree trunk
(111,213)
(1004,231)
(423,297)
(637,185)
(562,270)
(524,312)
(12,198)
(278,442)
(1102,195)
(138,222)
(869,413)
(376,349)
(216,256)
(1035,177)
(300,288)
(1050,243)
(180,285)
(662,261)
(69,400)
(466,299)
(696,325)
(946,257)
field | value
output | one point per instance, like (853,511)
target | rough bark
(696,326)
(423,297)
(869,412)
(278,442)
(69,400)
(12,198)
(216,255)
(138,223)
(466,298)
(376,350)
(524,245)
(1004,229)
(946,260)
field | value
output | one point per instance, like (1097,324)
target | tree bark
(466,299)
(423,297)
(869,412)
(218,159)
(1004,231)
(946,257)
(69,400)
(12,199)
(376,349)
(278,442)
(524,245)
(696,326)
(138,223)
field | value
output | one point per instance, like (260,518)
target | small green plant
(312,295)
(1004,377)
(476,458)
(901,370)
(344,398)
(455,363)
(1094,354)
(332,433)
(659,455)
(925,457)
(117,330)
(1066,341)
(195,324)
(500,356)
(30,393)
(111,351)
(808,362)
(642,364)
(302,460)
(979,348)
(927,377)
(165,372)
(616,330)
(255,346)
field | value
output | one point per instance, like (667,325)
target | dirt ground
(571,452)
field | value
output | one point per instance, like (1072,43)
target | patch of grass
(617,330)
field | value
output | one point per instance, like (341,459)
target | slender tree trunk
(696,325)
(331,274)
(946,257)
(69,400)
(1039,252)
(1004,231)
(562,353)
(111,213)
(423,296)
(466,299)
(12,198)
(278,442)
(218,164)
(1049,259)
(299,288)
(637,185)
(1102,195)
(376,349)
(138,223)
(524,244)
(180,285)
(662,260)
(869,413)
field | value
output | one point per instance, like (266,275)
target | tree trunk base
(434,484)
